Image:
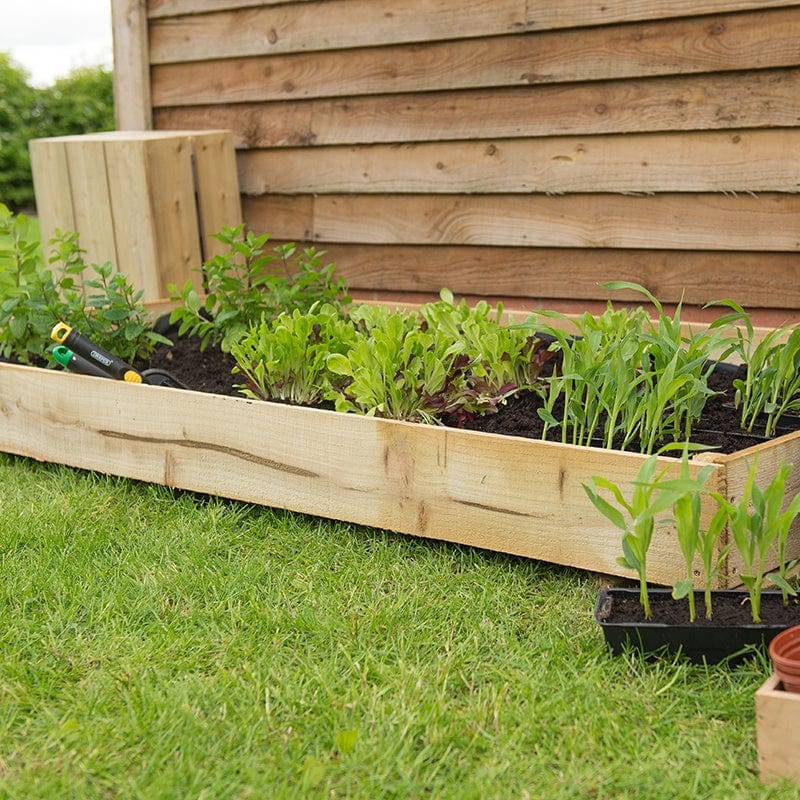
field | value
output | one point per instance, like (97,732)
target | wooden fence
(526,149)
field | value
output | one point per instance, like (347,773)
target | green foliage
(33,298)
(243,288)
(81,102)
(17,126)
(498,360)
(693,540)
(771,387)
(625,378)
(635,518)
(395,368)
(759,525)
(285,358)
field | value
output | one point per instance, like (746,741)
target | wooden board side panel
(458,486)
(218,196)
(777,732)
(172,192)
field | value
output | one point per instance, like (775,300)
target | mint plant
(243,286)
(285,358)
(93,299)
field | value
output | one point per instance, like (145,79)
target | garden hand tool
(80,354)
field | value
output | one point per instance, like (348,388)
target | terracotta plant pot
(784,650)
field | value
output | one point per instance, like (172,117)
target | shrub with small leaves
(33,298)
(243,287)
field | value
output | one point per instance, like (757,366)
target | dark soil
(210,371)
(730,609)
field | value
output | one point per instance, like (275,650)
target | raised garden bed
(515,495)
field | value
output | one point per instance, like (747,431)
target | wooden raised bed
(518,496)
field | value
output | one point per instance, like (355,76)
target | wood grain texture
(766,279)
(757,40)
(777,732)
(440,483)
(741,161)
(763,98)
(51,186)
(132,99)
(767,222)
(299,27)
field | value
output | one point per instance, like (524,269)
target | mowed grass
(159,644)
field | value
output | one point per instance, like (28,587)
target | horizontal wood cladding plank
(736,161)
(768,222)
(172,8)
(300,27)
(757,280)
(768,98)
(756,40)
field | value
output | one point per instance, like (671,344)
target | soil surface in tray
(729,610)
(210,371)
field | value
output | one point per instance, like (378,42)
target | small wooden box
(148,201)
(777,732)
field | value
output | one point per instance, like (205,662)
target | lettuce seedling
(286,358)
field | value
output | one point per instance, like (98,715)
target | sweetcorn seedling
(636,518)
(95,300)
(243,287)
(760,525)
(285,358)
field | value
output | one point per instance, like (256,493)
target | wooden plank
(758,40)
(757,280)
(739,161)
(454,485)
(91,201)
(761,98)
(172,193)
(327,26)
(51,185)
(768,222)
(217,188)
(132,100)
(172,8)
(777,732)
(134,226)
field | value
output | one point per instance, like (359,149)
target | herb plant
(243,287)
(95,300)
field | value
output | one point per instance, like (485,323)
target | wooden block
(148,201)
(777,732)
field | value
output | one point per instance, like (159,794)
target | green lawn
(169,645)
